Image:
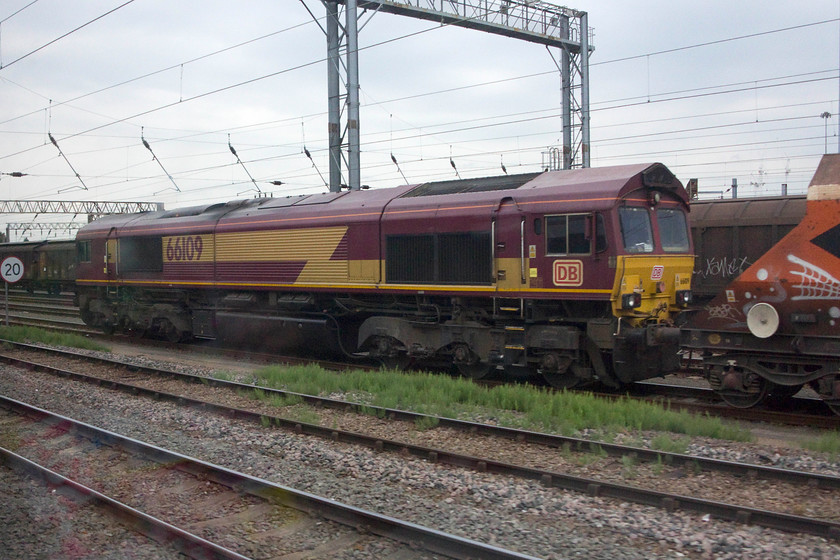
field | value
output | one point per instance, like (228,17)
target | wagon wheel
(779,395)
(827,392)
(834,405)
(757,392)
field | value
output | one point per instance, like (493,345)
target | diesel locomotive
(776,327)
(574,275)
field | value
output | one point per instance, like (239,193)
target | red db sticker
(657,272)
(568,273)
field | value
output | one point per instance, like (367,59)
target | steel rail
(405,532)
(53,325)
(549,440)
(156,529)
(817,414)
(592,487)
(43,309)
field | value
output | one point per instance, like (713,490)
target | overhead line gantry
(529,20)
(91,208)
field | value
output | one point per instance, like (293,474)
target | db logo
(657,272)
(568,273)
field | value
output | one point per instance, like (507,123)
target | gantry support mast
(530,20)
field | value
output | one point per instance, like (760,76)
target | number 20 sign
(11,269)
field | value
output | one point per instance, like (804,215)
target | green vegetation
(664,442)
(629,464)
(424,423)
(658,467)
(510,405)
(828,442)
(36,335)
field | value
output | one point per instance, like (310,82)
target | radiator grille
(442,258)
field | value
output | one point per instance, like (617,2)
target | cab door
(110,255)
(510,256)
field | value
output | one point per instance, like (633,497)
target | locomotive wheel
(399,362)
(744,399)
(87,317)
(170,331)
(136,332)
(556,369)
(565,380)
(478,370)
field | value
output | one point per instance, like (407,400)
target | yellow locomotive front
(652,285)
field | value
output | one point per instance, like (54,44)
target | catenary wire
(45,45)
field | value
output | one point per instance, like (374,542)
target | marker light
(684,297)
(631,301)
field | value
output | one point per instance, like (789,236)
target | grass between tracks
(565,412)
(829,442)
(38,335)
(508,405)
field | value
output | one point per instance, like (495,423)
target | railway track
(254,518)
(67,325)
(797,411)
(740,507)
(52,309)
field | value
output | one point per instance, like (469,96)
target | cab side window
(600,234)
(83,251)
(567,234)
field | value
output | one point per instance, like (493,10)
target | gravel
(507,512)
(38,522)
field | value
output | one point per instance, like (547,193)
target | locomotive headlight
(684,297)
(631,301)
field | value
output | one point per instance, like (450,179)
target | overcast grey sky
(739,95)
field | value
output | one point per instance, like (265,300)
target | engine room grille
(505,182)
(141,254)
(441,258)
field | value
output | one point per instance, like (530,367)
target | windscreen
(636,230)
(673,230)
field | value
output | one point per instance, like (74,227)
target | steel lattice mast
(90,207)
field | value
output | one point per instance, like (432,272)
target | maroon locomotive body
(574,274)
